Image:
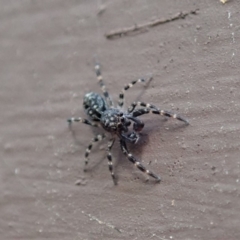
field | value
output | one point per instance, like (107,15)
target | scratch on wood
(145,26)
(155,235)
(101,222)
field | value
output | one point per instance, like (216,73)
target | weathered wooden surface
(47,54)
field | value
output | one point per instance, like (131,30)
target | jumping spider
(117,121)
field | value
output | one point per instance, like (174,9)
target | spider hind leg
(98,138)
(139,165)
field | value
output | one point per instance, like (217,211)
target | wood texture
(48,49)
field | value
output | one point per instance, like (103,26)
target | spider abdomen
(94,105)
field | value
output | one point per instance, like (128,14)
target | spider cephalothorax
(118,122)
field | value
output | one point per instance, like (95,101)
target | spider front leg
(110,163)
(102,85)
(82,120)
(142,104)
(98,138)
(133,160)
(121,95)
(142,111)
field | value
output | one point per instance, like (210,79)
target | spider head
(114,121)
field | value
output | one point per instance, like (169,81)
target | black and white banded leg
(139,165)
(140,104)
(110,163)
(142,111)
(98,138)
(121,95)
(82,120)
(102,85)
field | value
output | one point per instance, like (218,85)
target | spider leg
(121,95)
(98,138)
(142,104)
(102,85)
(82,120)
(133,160)
(142,111)
(110,163)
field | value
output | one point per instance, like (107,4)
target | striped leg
(133,160)
(142,111)
(121,95)
(82,120)
(102,85)
(140,104)
(110,163)
(98,138)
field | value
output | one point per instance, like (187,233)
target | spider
(117,121)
